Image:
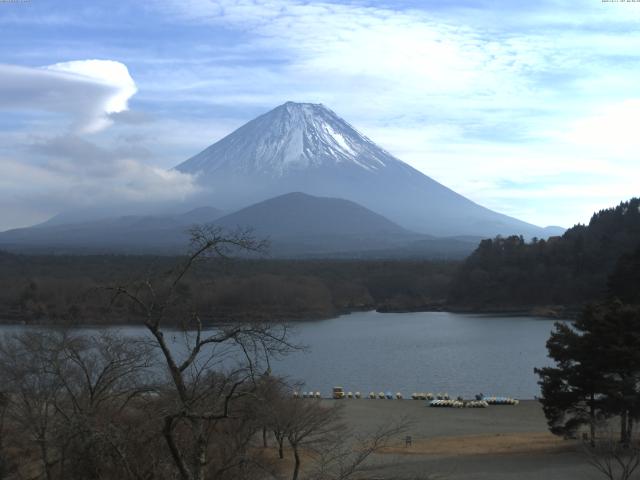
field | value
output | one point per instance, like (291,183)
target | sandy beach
(499,442)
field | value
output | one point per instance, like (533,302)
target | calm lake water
(460,354)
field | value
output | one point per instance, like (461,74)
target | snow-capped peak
(291,137)
(305,147)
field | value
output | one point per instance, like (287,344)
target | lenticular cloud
(87,90)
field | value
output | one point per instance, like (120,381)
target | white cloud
(31,193)
(86,90)
(47,170)
(525,108)
(107,72)
(401,60)
(539,100)
(613,128)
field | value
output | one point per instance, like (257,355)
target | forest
(75,289)
(555,276)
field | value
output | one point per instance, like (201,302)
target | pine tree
(571,390)
(597,372)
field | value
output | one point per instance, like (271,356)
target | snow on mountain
(303,147)
(291,137)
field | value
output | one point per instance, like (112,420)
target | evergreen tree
(624,282)
(571,390)
(616,331)
(597,372)
(568,271)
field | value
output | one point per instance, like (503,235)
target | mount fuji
(304,147)
(306,179)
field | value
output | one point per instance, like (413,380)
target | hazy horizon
(527,110)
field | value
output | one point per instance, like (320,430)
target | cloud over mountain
(527,99)
(76,163)
(86,90)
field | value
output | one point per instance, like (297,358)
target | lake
(460,354)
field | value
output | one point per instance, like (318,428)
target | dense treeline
(594,383)
(554,276)
(568,271)
(49,288)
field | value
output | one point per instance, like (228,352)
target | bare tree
(105,378)
(187,401)
(4,460)
(614,459)
(310,427)
(272,402)
(272,399)
(200,399)
(316,432)
(69,394)
(32,391)
(348,453)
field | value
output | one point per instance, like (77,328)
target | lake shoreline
(550,312)
(437,352)
(545,312)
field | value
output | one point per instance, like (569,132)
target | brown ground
(499,443)
(496,443)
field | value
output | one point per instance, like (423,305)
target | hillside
(304,147)
(296,224)
(129,234)
(301,215)
(562,272)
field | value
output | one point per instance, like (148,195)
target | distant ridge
(304,147)
(129,233)
(559,276)
(298,226)
(299,214)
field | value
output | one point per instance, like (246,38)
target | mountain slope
(139,233)
(297,224)
(301,225)
(297,215)
(92,214)
(571,270)
(308,148)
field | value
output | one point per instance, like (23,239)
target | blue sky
(529,109)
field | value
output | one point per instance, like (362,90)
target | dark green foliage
(50,288)
(570,270)
(570,391)
(624,282)
(597,372)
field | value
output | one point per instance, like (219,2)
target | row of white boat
(437,400)
(430,396)
(307,395)
(483,403)
(459,403)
